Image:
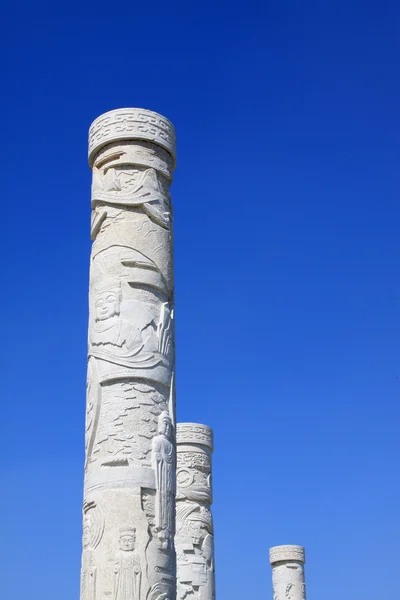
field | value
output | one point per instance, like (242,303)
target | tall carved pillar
(129,496)
(194,539)
(288,572)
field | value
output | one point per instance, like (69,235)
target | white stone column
(129,495)
(194,539)
(288,572)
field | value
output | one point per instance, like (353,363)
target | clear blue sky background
(287,259)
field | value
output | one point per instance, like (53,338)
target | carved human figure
(127,569)
(163,463)
(88,577)
(93,525)
(117,340)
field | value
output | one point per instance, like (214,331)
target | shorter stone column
(194,540)
(288,572)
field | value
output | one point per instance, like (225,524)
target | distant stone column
(288,572)
(129,495)
(194,539)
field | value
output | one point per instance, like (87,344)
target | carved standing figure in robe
(88,578)
(93,526)
(163,463)
(117,340)
(127,568)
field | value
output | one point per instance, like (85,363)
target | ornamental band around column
(129,495)
(288,572)
(194,539)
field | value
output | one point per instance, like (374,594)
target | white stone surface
(194,539)
(131,124)
(288,580)
(129,497)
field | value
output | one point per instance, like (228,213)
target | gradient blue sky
(287,258)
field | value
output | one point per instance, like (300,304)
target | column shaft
(288,572)
(194,539)
(129,495)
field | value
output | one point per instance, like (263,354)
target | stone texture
(288,572)
(194,539)
(129,496)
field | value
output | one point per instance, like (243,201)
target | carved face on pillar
(165,425)
(127,540)
(93,525)
(107,304)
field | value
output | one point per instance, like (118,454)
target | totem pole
(288,572)
(129,491)
(194,539)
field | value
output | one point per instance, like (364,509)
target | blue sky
(287,211)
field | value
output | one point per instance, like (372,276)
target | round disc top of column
(288,552)
(194,433)
(131,124)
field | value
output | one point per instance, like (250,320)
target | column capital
(288,552)
(131,124)
(195,433)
